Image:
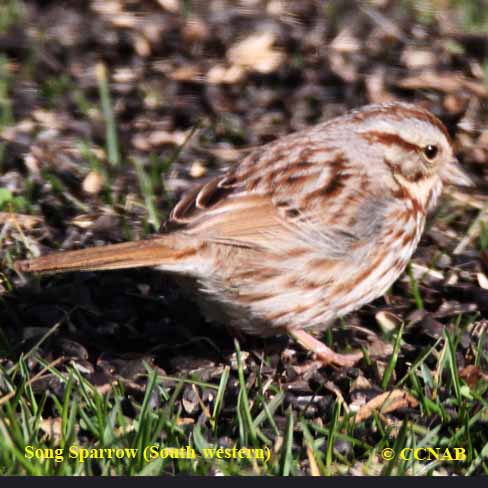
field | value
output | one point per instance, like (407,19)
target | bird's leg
(324,353)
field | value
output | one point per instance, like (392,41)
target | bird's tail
(150,252)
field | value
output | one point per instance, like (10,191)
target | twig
(36,377)
(473,231)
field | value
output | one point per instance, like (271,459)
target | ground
(109,111)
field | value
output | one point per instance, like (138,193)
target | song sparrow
(304,229)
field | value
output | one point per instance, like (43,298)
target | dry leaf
(93,182)
(454,104)
(83,221)
(376,87)
(185,73)
(106,388)
(343,67)
(256,52)
(228,153)
(124,75)
(197,170)
(314,468)
(420,271)
(472,374)
(195,30)
(414,58)
(52,427)
(25,221)
(147,141)
(385,403)
(345,42)
(184,421)
(444,82)
(388,321)
(360,383)
(482,280)
(141,46)
(170,5)
(449,308)
(221,74)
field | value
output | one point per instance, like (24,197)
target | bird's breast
(263,294)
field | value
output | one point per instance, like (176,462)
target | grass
(472,14)
(415,288)
(393,360)
(112,144)
(147,190)
(86,417)
(10,12)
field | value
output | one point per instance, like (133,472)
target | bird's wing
(289,190)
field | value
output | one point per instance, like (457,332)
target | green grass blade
(415,288)
(112,143)
(451,358)
(332,434)
(147,191)
(393,360)
(287,456)
(244,403)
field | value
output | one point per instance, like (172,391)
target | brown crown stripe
(389,139)
(401,111)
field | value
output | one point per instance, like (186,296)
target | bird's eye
(430,152)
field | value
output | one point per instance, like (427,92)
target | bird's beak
(453,174)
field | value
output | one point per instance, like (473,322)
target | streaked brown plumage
(303,230)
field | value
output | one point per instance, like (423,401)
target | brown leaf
(388,321)
(345,42)
(444,82)
(256,52)
(385,403)
(482,280)
(52,427)
(181,421)
(93,182)
(472,374)
(25,221)
(314,467)
(186,73)
(220,74)
(415,58)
